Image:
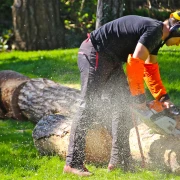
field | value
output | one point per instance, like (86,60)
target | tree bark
(129,6)
(10,84)
(108,10)
(40,97)
(37,25)
(35,98)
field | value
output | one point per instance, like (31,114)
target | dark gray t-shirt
(120,37)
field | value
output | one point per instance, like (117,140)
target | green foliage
(78,15)
(79,18)
(153,13)
(5,15)
(6,36)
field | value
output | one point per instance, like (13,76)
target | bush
(5,40)
(5,15)
(79,19)
(153,13)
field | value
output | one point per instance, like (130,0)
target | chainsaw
(165,121)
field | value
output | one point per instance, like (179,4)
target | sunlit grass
(19,158)
(57,65)
(169,61)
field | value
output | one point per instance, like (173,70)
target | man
(100,60)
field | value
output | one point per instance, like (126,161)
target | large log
(40,97)
(51,136)
(53,106)
(160,152)
(25,98)
(10,84)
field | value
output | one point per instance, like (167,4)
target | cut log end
(10,84)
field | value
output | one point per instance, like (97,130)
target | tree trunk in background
(129,6)
(108,10)
(37,25)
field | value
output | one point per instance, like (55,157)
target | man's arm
(144,65)
(135,74)
(153,80)
(152,59)
(141,52)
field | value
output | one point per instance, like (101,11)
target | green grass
(57,65)
(169,61)
(19,158)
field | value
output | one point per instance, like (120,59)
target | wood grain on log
(40,97)
(22,97)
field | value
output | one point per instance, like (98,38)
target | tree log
(40,97)
(51,136)
(10,84)
(25,98)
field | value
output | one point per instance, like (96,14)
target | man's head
(174,31)
(174,18)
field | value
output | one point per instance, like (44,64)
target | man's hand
(174,110)
(167,104)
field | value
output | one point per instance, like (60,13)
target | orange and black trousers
(105,100)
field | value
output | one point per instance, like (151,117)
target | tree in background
(5,15)
(108,10)
(41,24)
(79,18)
(37,25)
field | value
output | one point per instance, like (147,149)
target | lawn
(19,158)
(57,65)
